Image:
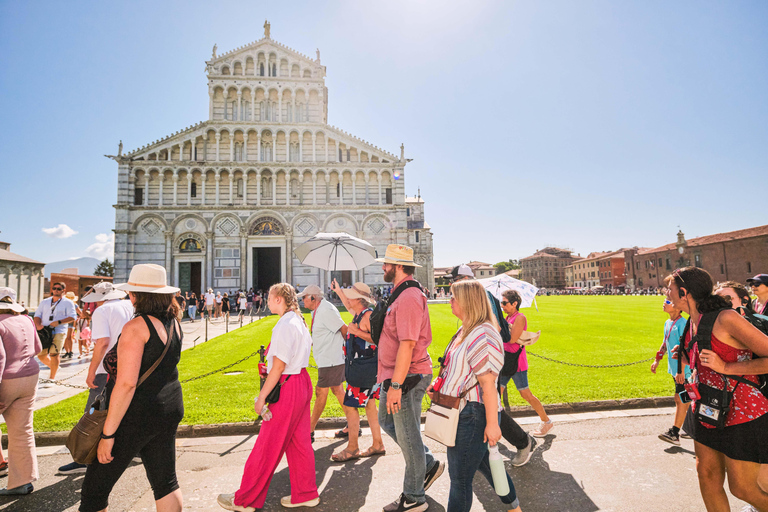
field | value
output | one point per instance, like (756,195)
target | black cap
(758,280)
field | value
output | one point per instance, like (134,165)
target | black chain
(220,369)
(591,365)
(60,383)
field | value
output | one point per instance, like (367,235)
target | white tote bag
(443,418)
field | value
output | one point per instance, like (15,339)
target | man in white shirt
(56,312)
(107,322)
(328,333)
(209,300)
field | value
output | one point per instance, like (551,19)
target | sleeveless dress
(159,397)
(743,437)
(353,348)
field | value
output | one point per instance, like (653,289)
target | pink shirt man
(407,319)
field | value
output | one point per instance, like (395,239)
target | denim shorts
(521,380)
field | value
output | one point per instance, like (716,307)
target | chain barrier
(221,369)
(590,365)
(62,383)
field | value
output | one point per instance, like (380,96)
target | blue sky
(591,125)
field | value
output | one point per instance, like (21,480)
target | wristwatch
(395,385)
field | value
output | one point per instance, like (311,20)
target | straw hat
(398,255)
(147,278)
(8,301)
(359,291)
(103,291)
(71,296)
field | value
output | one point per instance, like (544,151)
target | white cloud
(103,248)
(60,231)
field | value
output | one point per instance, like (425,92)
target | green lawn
(579,329)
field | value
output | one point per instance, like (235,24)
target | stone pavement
(610,460)
(73,372)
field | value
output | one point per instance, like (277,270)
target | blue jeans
(468,456)
(405,428)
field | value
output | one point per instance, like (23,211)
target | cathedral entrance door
(190,276)
(343,277)
(266,267)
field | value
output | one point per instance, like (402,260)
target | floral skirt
(358,397)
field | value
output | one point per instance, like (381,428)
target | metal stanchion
(262,353)
(206,328)
(226,319)
(240,317)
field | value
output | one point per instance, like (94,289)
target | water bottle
(500,484)
(266,414)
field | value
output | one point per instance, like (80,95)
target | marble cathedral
(223,203)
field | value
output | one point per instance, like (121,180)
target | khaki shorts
(55,348)
(330,376)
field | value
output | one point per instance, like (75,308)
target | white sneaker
(286,502)
(226,501)
(543,428)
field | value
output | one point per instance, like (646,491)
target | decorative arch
(141,220)
(189,242)
(305,224)
(331,223)
(226,224)
(267,226)
(181,218)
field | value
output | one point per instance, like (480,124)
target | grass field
(579,329)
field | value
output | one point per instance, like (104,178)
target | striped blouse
(480,352)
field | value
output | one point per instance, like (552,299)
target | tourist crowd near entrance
(223,203)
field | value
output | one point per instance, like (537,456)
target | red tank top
(748,403)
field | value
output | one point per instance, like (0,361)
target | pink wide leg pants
(286,433)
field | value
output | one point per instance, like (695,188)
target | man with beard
(405,372)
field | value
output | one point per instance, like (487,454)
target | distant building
(546,268)
(514,273)
(736,255)
(23,274)
(482,270)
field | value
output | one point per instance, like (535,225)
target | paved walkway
(609,461)
(72,372)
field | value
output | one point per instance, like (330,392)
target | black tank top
(159,396)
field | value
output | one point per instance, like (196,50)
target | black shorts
(679,388)
(746,441)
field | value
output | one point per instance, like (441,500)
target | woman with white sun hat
(144,395)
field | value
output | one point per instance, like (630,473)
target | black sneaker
(402,504)
(670,437)
(3,468)
(72,468)
(433,474)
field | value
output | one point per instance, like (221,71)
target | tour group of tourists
(718,359)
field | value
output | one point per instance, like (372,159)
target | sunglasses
(504,302)
(57,289)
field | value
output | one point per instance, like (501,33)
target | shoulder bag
(83,440)
(274,395)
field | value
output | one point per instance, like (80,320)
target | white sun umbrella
(497,285)
(336,251)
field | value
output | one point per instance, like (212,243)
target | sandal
(344,456)
(370,452)
(341,434)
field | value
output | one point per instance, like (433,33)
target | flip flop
(370,452)
(344,456)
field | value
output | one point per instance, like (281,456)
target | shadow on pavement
(538,487)
(59,496)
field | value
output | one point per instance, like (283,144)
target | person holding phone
(674,329)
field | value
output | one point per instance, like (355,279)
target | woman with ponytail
(740,447)
(287,432)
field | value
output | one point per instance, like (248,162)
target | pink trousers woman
(286,433)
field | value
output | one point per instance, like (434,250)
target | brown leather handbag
(83,440)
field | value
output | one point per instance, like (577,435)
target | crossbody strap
(152,368)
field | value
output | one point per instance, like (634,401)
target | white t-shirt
(218,299)
(108,321)
(209,299)
(291,343)
(243,303)
(326,335)
(65,308)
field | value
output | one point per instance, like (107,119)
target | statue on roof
(402,152)
(318,54)
(120,149)
(215,47)
(266,29)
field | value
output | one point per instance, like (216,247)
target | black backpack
(379,313)
(704,340)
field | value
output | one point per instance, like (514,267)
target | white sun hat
(147,278)
(8,300)
(103,291)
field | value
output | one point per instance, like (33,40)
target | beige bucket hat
(103,291)
(147,278)
(398,255)
(8,300)
(360,291)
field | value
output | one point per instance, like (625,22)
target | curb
(238,429)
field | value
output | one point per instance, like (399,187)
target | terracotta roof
(81,275)
(713,239)
(6,255)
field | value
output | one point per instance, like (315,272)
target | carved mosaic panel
(151,227)
(305,227)
(227,226)
(267,226)
(376,226)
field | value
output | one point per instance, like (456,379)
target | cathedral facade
(223,203)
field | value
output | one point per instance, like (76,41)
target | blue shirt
(673,333)
(65,308)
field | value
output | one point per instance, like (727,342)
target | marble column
(314,188)
(314,147)
(210,103)
(231,147)
(246,136)
(288,255)
(218,145)
(301,189)
(231,182)
(258,188)
(218,181)
(367,197)
(354,189)
(327,189)
(301,148)
(245,188)
(243,259)
(161,179)
(176,187)
(168,252)
(341,188)
(274,188)
(146,189)
(239,115)
(259,141)
(181,152)
(204,179)
(209,260)
(189,189)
